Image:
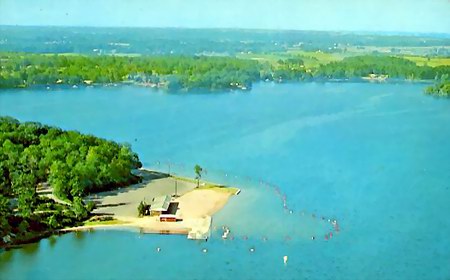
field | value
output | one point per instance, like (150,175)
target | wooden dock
(201,230)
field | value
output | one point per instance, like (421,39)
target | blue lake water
(375,157)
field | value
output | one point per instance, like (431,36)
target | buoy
(285,259)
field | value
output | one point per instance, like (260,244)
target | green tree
(5,212)
(198,173)
(79,208)
(143,208)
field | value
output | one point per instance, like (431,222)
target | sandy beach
(196,206)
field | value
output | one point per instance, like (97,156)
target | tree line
(172,72)
(394,67)
(33,156)
(193,72)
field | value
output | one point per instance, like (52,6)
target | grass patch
(100,223)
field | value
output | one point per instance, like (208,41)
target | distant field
(433,62)
(271,58)
(314,59)
(108,54)
(311,59)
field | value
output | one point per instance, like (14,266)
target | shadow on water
(52,240)
(6,257)
(31,249)
(80,236)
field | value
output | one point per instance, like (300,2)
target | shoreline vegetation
(441,88)
(55,181)
(190,73)
(45,172)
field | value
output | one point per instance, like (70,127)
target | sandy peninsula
(196,205)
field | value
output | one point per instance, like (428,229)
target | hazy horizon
(346,16)
(357,32)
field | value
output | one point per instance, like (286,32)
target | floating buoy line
(226,234)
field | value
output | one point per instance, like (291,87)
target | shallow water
(373,156)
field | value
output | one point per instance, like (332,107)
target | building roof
(172,210)
(160,203)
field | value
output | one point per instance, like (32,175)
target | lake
(374,157)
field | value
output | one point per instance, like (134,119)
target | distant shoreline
(202,90)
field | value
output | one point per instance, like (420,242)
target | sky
(424,16)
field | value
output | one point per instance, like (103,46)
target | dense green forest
(23,70)
(181,72)
(394,67)
(35,157)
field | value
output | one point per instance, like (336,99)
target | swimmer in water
(205,250)
(312,238)
(158,249)
(252,250)
(285,259)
